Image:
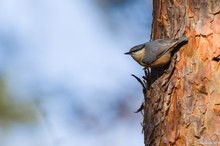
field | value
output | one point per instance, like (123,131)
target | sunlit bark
(182,106)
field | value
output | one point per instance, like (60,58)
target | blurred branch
(111,3)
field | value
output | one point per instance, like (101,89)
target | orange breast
(163,60)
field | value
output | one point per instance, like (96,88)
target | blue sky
(68,56)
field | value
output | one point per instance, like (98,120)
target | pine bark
(182,106)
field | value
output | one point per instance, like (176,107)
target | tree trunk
(182,105)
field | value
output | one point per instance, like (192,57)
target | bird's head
(137,52)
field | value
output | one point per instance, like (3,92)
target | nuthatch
(155,53)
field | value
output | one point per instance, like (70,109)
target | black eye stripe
(137,48)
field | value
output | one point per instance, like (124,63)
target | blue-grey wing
(155,49)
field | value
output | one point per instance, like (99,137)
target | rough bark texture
(182,106)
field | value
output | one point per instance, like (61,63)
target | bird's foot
(147,72)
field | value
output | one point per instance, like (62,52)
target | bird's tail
(182,39)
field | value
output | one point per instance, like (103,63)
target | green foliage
(13,111)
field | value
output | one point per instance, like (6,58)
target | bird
(155,53)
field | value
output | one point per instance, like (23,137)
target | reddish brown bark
(182,107)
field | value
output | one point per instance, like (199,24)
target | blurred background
(64,80)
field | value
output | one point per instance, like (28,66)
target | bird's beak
(127,53)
